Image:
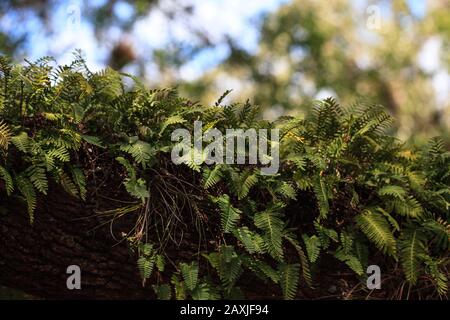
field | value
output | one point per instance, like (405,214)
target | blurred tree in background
(312,49)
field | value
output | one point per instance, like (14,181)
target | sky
(155,31)
(218,17)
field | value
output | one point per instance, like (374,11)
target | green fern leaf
(252,241)
(393,191)
(229,215)
(289,276)
(272,225)
(5,135)
(27,190)
(312,247)
(412,244)
(212,176)
(190,274)
(4,174)
(377,230)
(38,177)
(80,181)
(145,265)
(21,142)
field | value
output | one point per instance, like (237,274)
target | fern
(80,181)
(351,261)
(38,177)
(26,188)
(440,277)
(4,174)
(175,119)
(306,269)
(229,215)
(141,151)
(212,176)
(201,292)
(312,247)
(287,191)
(227,264)
(160,263)
(393,191)
(289,276)
(60,153)
(242,182)
(145,265)
(5,135)
(252,241)
(190,274)
(322,195)
(67,183)
(272,225)
(377,230)
(21,142)
(411,247)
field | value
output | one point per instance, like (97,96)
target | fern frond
(286,190)
(21,142)
(175,119)
(5,135)
(27,190)
(252,241)
(145,265)
(60,153)
(80,181)
(4,174)
(38,177)
(312,247)
(67,183)
(393,191)
(272,225)
(412,244)
(377,230)
(289,276)
(212,176)
(350,260)
(306,269)
(227,264)
(190,274)
(321,191)
(137,188)
(229,215)
(439,276)
(141,151)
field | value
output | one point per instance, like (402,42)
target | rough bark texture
(34,258)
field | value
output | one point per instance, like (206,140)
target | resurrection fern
(4,174)
(312,247)
(411,248)
(26,189)
(229,215)
(5,135)
(271,223)
(212,176)
(190,274)
(289,275)
(377,230)
(252,241)
(346,193)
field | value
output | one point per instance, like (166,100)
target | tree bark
(34,258)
